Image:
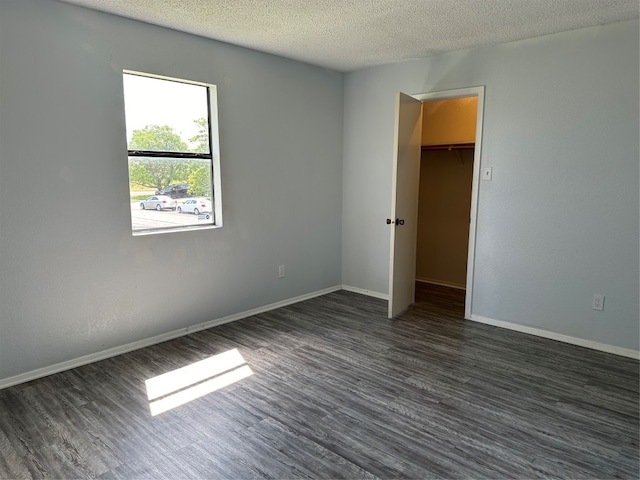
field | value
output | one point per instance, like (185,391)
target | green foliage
(159,138)
(200,181)
(157,173)
(201,139)
(152,172)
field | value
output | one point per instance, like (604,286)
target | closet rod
(454,146)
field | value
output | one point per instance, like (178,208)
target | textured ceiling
(350,34)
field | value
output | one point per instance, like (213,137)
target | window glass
(169,143)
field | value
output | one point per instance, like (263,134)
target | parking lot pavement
(147,219)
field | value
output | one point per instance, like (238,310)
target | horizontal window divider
(155,154)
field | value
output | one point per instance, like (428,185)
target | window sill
(156,231)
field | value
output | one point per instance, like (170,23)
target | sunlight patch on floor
(181,386)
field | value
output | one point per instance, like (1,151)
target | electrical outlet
(281,271)
(598,302)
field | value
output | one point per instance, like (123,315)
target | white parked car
(195,205)
(158,202)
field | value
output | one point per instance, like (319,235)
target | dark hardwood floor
(339,391)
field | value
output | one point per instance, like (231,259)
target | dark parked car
(177,190)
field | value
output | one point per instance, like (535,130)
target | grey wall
(73,280)
(559,221)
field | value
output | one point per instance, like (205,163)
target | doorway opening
(405,193)
(444,199)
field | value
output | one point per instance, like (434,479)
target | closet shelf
(453,146)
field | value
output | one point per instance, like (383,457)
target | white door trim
(457,93)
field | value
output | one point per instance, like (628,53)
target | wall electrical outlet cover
(598,302)
(281,271)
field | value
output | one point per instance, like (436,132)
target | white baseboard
(442,284)
(370,293)
(603,347)
(129,347)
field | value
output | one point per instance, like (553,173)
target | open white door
(404,203)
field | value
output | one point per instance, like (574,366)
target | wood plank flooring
(339,391)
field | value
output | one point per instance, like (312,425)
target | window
(172,143)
